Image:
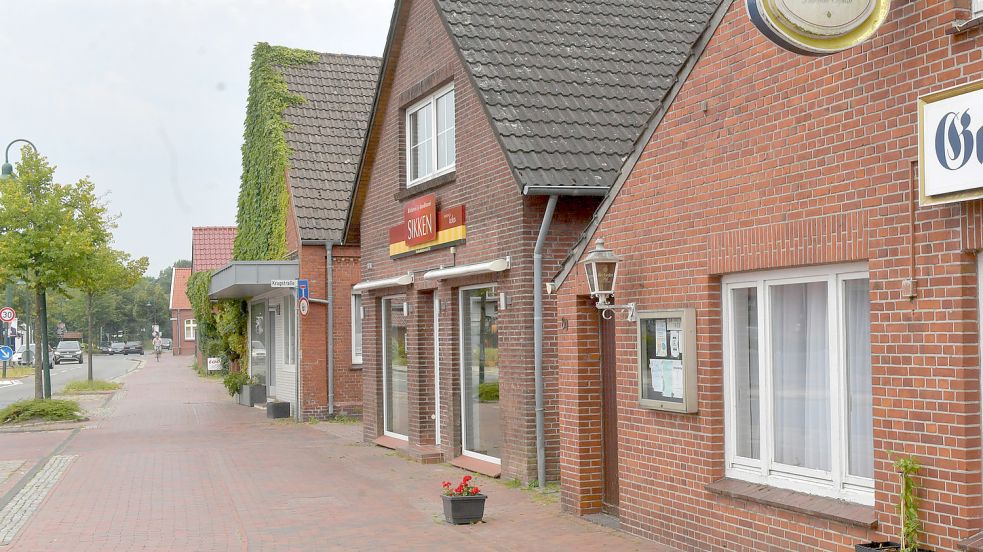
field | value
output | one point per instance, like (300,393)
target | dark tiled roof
(211,247)
(325,136)
(571,85)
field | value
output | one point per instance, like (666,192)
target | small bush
(84,386)
(40,409)
(233,382)
(488,392)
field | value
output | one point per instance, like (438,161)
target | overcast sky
(148,98)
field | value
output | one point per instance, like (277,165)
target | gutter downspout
(329,295)
(537,292)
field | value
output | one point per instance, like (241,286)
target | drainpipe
(329,295)
(537,292)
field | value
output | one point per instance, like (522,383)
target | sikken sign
(420,218)
(950,145)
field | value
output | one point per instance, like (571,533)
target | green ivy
(263,199)
(221,330)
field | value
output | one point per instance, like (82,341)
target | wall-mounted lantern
(601,265)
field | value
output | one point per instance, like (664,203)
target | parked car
(68,350)
(166,343)
(116,348)
(22,359)
(133,348)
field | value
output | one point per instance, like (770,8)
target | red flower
(474,490)
(446,484)
(459,489)
(466,478)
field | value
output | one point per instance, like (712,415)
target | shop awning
(244,279)
(498,265)
(404,280)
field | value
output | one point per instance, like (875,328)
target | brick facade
(179,345)
(500,222)
(771,160)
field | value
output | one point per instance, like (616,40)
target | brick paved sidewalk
(179,466)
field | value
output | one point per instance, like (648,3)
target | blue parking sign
(6,353)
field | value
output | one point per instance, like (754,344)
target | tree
(104,270)
(47,230)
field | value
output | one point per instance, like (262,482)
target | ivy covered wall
(263,196)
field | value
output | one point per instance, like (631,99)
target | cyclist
(158,345)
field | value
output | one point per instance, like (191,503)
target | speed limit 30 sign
(7,315)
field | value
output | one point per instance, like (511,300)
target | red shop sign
(420,220)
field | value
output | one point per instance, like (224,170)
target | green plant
(488,392)
(343,419)
(233,382)
(86,386)
(40,409)
(467,487)
(911,526)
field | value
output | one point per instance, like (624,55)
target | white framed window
(430,140)
(797,380)
(977,8)
(190,326)
(357,315)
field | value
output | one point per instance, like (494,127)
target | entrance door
(396,404)
(482,416)
(271,349)
(609,415)
(258,338)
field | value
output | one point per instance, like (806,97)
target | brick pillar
(581,477)
(450,382)
(372,421)
(420,353)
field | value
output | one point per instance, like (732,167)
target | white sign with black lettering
(283,283)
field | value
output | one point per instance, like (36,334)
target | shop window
(190,326)
(430,138)
(798,380)
(357,328)
(290,332)
(482,414)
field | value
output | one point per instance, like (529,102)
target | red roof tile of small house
(211,247)
(179,285)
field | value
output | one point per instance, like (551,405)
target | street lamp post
(7,171)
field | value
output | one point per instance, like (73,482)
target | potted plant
(463,504)
(907,506)
(239,383)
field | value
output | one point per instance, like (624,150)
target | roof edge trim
(565,190)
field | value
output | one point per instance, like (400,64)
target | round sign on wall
(816,27)
(304,307)
(7,315)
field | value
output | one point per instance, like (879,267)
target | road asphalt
(105,368)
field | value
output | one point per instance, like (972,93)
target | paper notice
(677,378)
(674,349)
(667,379)
(655,367)
(675,324)
(660,338)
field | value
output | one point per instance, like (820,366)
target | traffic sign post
(7,315)
(6,353)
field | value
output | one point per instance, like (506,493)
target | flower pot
(250,395)
(885,546)
(461,510)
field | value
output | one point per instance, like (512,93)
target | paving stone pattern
(19,510)
(179,466)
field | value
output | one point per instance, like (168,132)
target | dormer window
(430,137)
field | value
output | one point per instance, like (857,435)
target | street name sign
(283,283)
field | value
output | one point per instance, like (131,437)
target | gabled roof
(179,285)
(325,136)
(211,247)
(571,84)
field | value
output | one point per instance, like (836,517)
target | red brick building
(776,206)
(183,324)
(491,143)
(311,360)
(211,249)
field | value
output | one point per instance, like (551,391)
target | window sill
(478,466)
(962,26)
(356,366)
(426,186)
(830,509)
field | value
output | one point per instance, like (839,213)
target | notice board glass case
(667,355)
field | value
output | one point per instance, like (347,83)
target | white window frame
(977,8)
(836,483)
(464,353)
(358,314)
(190,324)
(430,100)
